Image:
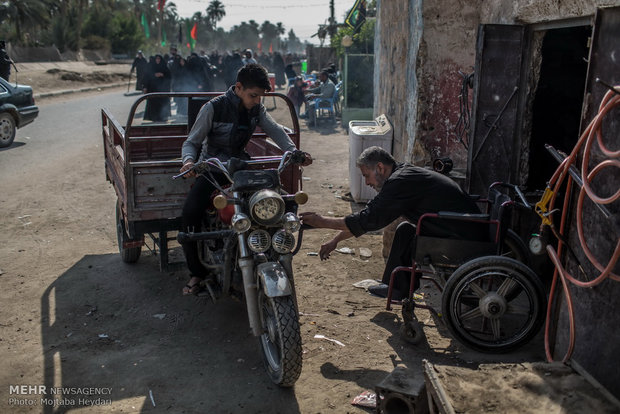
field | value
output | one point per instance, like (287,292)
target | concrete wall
(421,45)
(535,11)
(51,54)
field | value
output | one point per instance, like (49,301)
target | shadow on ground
(15,144)
(127,327)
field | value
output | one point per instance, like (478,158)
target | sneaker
(382,292)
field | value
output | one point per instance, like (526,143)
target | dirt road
(121,338)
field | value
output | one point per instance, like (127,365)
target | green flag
(163,38)
(145,24)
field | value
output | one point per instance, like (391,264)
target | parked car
(17,109)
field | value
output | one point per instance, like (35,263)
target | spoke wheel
(128,254)
(493,304)
(7,129)
(281,340)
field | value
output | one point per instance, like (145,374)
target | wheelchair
(491,301)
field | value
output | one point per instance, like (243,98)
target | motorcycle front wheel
(281,340)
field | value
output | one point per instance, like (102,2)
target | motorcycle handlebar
(234,164)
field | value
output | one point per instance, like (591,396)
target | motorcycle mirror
(220,202)
(301,197)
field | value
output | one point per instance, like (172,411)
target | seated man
(325,90)
(222,129)
(404,190)
(332,73)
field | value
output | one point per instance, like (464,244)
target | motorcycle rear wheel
(281,341)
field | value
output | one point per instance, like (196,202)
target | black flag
(357,15)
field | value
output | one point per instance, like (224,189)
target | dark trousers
(197,201)
(401,254)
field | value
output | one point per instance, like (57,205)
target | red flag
(194,31)
(161,4)
(260,46)
(270,48)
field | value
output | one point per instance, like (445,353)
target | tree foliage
(215,12)
(117,25)
(363,41)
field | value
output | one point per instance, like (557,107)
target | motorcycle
(248,243)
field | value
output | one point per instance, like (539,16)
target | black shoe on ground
(382,292)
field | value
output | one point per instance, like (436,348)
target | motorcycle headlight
(291,222)
(259,241)
(266,207)
(240,223)
(283,242)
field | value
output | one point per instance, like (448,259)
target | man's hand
(311,218)
(189,164)
(327,248)
(307,160)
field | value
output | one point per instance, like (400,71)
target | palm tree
(215,12)
(280,30)
(24,12)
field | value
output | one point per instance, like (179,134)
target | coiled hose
(591,134)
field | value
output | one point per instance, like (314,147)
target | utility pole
(332,27)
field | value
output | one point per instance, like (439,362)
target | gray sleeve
(328,90)
(275,131)
(198,134)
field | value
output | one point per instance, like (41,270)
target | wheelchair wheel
(515,248)
(493,304)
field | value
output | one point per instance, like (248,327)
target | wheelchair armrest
(462,216)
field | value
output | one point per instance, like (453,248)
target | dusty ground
(62,76)
(87,319)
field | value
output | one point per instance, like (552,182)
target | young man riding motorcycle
(222,129)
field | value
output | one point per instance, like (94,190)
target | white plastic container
(364,134)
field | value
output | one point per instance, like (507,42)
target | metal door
(493,150)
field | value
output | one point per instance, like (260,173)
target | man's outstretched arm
(320,222)
(334,223)
(331,245)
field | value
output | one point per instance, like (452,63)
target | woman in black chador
(157,80)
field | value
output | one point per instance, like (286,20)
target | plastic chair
(327,107)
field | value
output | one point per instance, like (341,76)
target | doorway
(558,100)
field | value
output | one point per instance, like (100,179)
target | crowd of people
(173,72)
